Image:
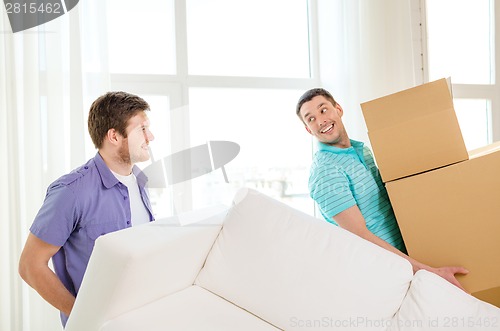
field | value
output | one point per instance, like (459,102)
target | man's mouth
(327,129)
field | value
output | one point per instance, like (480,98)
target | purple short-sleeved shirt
(79,207)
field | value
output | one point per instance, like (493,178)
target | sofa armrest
(132,267)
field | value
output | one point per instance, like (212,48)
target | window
(141,36)
(461,44)
(474,118)
(275,150)
(460,39)
(248,38)
(220,70)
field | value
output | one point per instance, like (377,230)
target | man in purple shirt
(104,195)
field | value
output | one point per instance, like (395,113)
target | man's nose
(149,135)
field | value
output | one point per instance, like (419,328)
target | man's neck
(342,144)
(116,164)
(345,142)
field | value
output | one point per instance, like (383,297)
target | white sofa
(262,265)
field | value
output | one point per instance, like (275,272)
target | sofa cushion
(296,271)
(433,303)
(191,309)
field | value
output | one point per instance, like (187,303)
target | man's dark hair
(112,111)
(308,95)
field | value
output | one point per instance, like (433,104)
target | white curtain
(48,75)
(368,49)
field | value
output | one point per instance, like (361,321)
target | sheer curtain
(367,50)
(47,74)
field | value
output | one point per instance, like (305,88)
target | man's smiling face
(324,121)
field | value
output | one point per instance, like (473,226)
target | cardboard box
(415,130)
(451,216)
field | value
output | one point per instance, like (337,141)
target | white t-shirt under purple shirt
(139,213)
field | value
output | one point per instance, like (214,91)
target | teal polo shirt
(343,177)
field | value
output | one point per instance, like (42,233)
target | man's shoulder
(83,173)
(324,166)
(327,159)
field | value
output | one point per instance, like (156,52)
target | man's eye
(323,110)
(310,119)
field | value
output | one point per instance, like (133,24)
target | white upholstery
(432,303)
(286,266)
(267,267)
(191,309)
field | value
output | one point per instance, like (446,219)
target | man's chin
(141,158)
(329,141)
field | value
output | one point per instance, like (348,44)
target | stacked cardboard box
(446,200)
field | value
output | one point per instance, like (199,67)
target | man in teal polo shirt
(346,185)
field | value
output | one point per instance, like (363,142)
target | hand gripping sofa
(262,265)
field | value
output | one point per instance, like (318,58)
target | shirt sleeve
(57,217)
(330,188)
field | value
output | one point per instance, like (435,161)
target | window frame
(177,86)
(489,92)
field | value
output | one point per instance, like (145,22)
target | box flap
(415,130)
(407,105)
(403,156)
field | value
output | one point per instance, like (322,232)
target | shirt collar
(356,146)
(110,180)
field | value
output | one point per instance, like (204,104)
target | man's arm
(352,220)
(34,269)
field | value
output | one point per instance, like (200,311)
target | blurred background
(228,70)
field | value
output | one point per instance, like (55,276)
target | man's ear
(339,109)
(308,130)
(113,136)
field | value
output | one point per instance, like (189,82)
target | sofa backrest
(296,271)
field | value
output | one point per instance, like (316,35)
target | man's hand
(34,269)
(449,273)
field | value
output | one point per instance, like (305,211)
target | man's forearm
(43,280)
(384,244)
(447,273)
(352,220)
